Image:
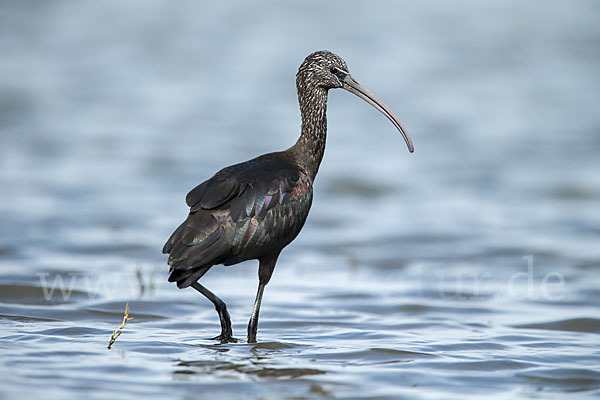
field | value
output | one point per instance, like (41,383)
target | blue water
(468,269)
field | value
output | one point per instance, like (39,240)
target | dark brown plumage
(254,209)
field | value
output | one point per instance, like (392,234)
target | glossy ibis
(254,209)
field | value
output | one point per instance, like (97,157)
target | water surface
(468,269)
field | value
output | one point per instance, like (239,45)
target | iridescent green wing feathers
(265,198)
(248,188)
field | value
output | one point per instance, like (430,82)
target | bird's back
(245,211)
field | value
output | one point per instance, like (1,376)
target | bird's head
(326,70)
(322,69)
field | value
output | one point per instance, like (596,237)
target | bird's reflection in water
(252,360)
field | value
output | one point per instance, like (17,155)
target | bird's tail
(185,278)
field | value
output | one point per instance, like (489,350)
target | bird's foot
(225,338)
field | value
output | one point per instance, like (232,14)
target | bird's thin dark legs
(226,333)
(265,270)
(253,324)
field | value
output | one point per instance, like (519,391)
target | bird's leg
(265,270)
(253,324)
(226,333)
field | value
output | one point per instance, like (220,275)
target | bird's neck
(310,147)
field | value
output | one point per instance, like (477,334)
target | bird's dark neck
(310,147)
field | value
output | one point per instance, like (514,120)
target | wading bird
(254,209)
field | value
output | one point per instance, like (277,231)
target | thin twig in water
(119,330)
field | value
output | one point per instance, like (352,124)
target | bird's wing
(247,191)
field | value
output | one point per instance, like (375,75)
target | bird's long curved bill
(351,85)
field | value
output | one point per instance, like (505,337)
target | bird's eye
(340,73)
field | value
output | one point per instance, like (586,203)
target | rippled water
(468,269)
